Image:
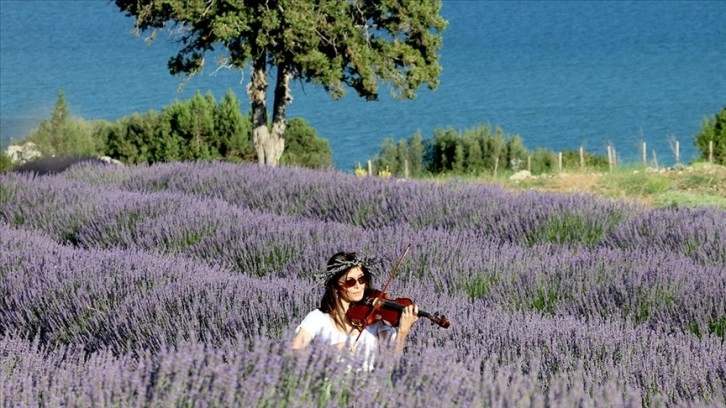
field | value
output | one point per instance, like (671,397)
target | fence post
(405,168)
(582,158)
(370,168)
(678,153)
(655,160)
(496,165)
(710,151)
(610,158)
(645,155)
(559,160)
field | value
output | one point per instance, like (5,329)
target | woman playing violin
(348,279)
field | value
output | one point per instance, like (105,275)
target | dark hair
(339,264)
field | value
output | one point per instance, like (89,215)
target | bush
(303,147)
(477,151)
(5,162)
(713,130)
(195,129)
(571,160)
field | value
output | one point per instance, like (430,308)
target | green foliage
(474,157)
(674,199)
(571,160)
(304,148)
(132,139)
(5,162)
(569,229)
(233,130)
(545,300)
(637,183)
(402,158)
(335,43)
(516,157)
(64,135)
(713,130)
(195,129)
(443,149)
(480,285)
(479,151)
(416,150)
(474,152)
(543,161)
(191,124)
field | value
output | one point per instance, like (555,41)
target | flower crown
(338,266)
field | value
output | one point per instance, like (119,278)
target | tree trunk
(257,92)
(269,144)
(279,122)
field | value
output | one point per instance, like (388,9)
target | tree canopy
(332,43)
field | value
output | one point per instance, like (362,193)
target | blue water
(559,74)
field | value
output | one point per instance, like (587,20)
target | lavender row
(522,218)
(263,372)
(130,302)
(648,286)
(129,299)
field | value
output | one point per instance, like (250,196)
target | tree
(516,153)
(472,146)
(63,135)
(232,130)
(388,157)
(331,43)
(443,150)
(131,139)
(416,152)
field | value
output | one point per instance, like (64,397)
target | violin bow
(376,305)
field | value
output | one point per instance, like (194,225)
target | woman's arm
(301,339)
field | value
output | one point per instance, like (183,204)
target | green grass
(687,199)
(700,184)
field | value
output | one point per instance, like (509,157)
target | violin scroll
(437,318)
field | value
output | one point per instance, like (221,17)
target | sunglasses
(350,282)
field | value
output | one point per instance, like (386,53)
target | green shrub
(303,147)
(713,130)
(5,163)
(543,161)
(571,160)
(65,135)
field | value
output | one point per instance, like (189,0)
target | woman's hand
(409,315)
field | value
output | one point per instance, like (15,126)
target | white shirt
(321,327)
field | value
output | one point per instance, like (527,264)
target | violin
(378,306)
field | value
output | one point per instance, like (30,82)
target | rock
(109,160)
(23,153)
(521,175)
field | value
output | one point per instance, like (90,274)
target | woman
(348,279)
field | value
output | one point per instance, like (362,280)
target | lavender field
(181,285)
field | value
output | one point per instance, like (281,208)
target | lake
(559,74)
